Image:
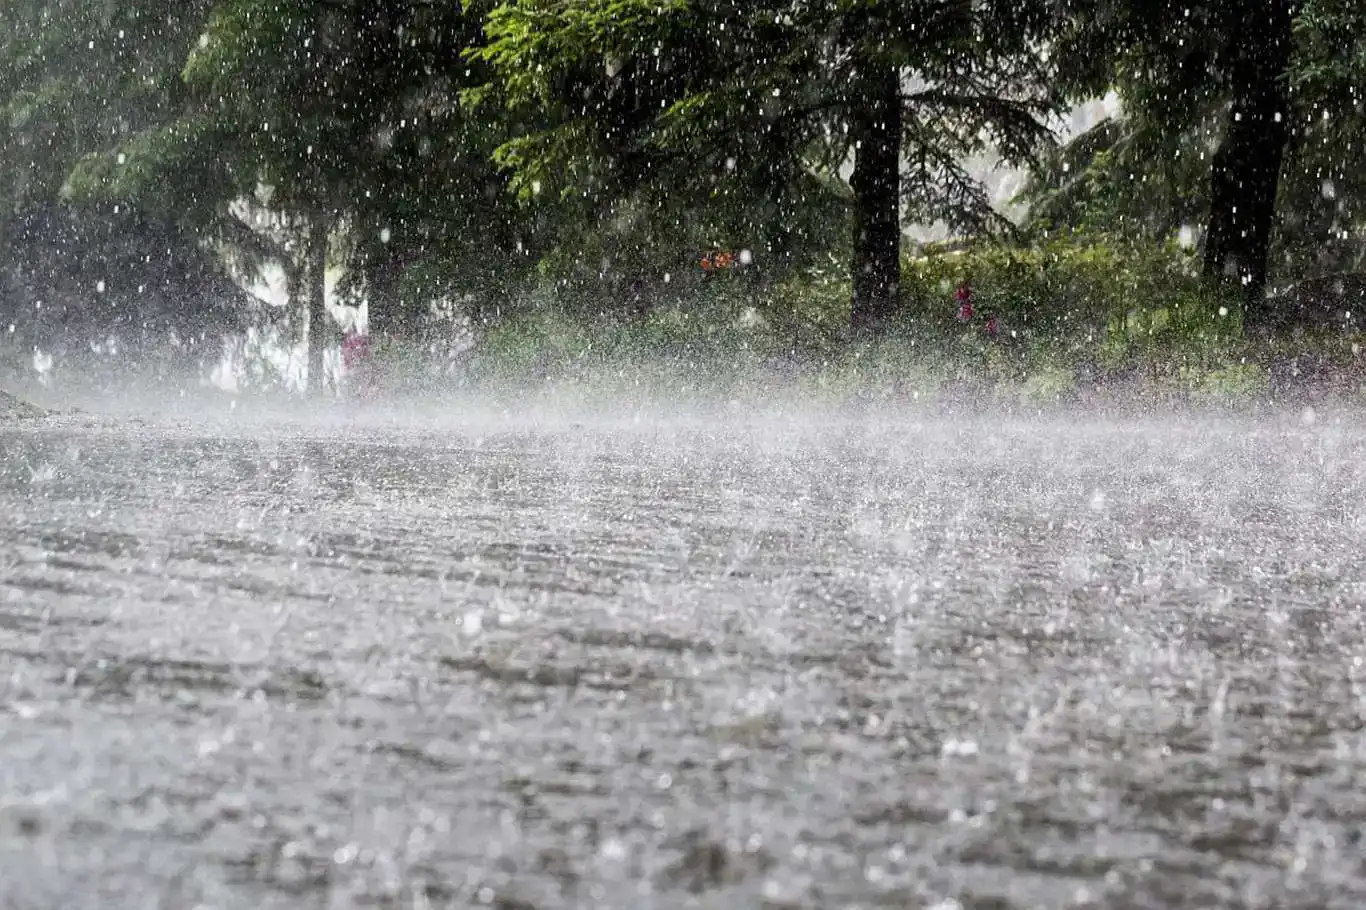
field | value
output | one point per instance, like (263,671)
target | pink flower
(355,348)
(965,308)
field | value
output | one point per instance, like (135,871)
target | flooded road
(753,663)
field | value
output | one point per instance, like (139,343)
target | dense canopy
(476,151)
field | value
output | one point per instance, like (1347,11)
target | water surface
(751,662)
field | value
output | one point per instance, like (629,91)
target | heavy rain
(682,453)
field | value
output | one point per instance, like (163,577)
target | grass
(738,362)
(1081,321)
(1078,323)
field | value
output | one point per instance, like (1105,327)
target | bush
(1076,293)
(1073,312)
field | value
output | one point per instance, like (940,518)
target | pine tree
(1271,86)
(76,78)
(759,98)
(315,131)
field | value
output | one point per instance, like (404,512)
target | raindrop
(384,235)
(958,747)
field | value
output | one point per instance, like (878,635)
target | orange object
(718,259)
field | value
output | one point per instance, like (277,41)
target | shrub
(1072,311)
(1074,291)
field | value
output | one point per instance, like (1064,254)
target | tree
(317,131)
(1323,201)
(73,274)
(1270,85)
(699,98)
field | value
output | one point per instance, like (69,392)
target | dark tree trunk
(315,272)
(876,183)
(296,292)
(387,316)
(1245,175)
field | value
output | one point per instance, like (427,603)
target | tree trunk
(382,298)
(1245,175)
(296,293)
(316,276)
(876,183)
(389,314)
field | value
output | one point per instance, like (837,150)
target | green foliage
(741,115)
(1234,383)
(1323,202)
(345,113)
(1333,50)
(136,171)
(554,170)
(75,75)
(1076,314)
(77,78)
(1124,177)
(1147,173)
(1074,293)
